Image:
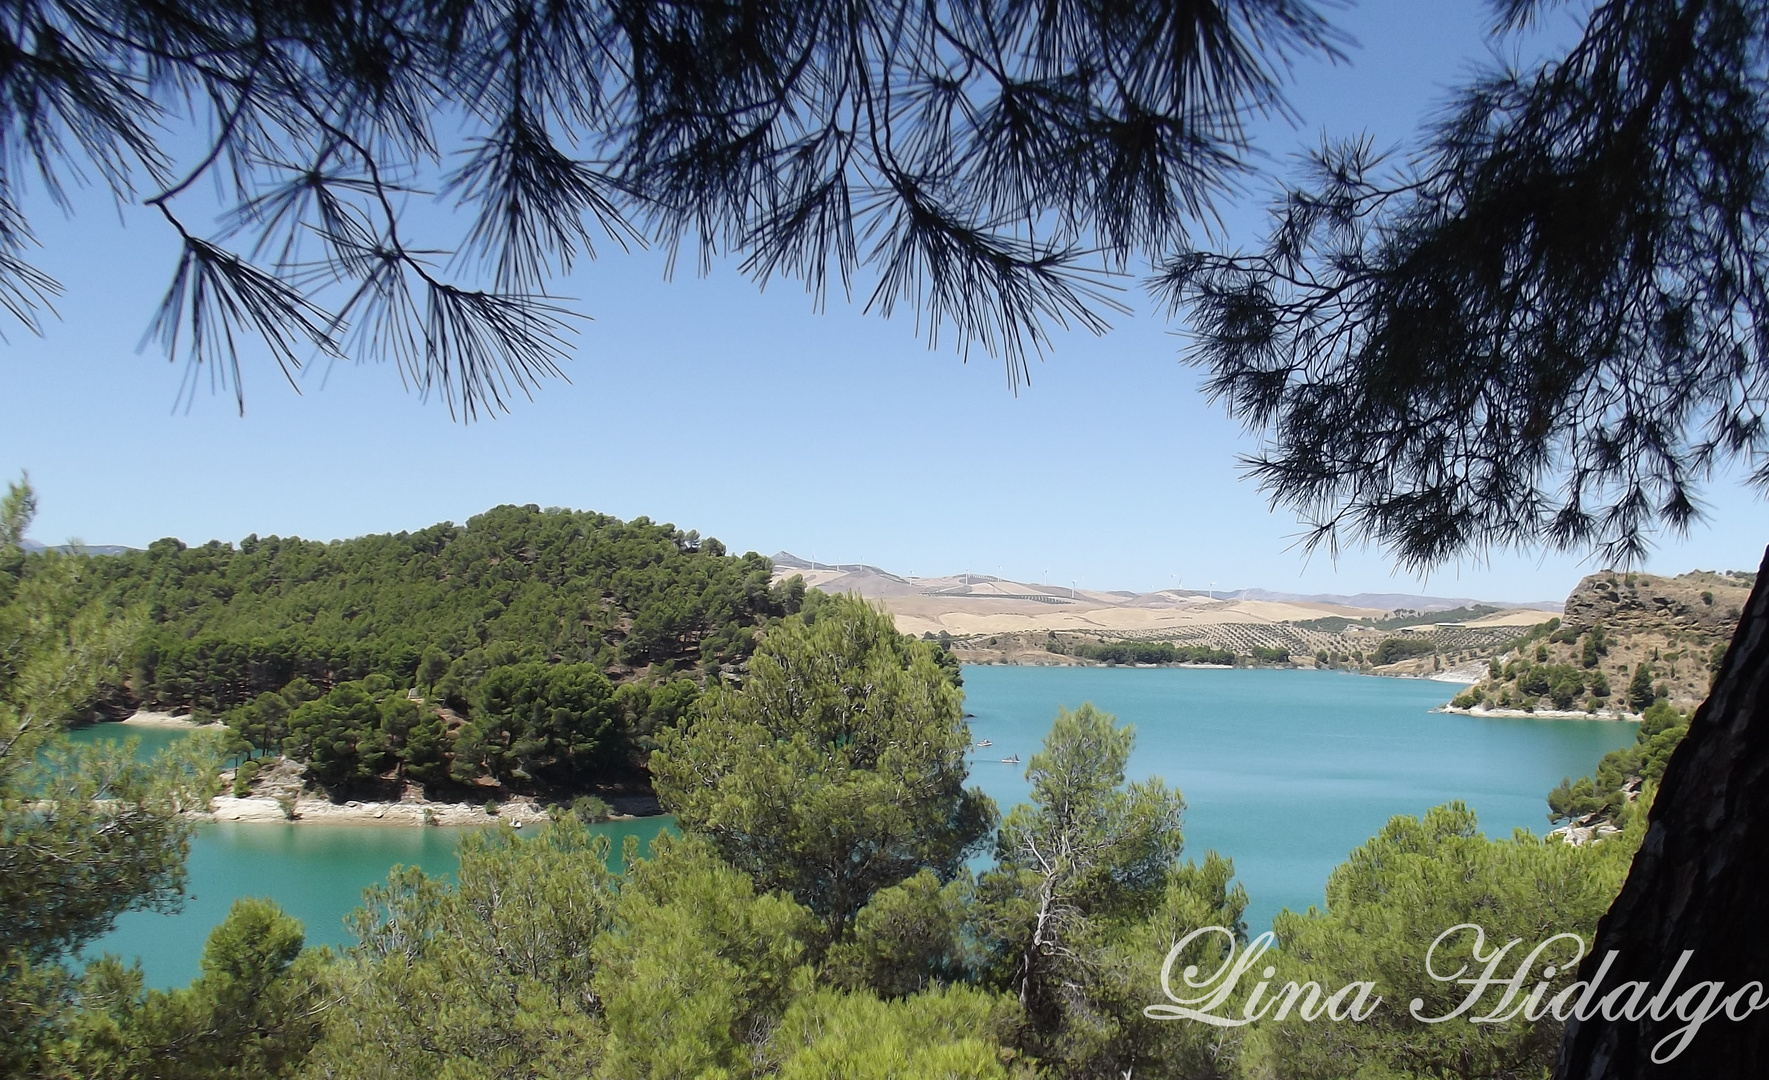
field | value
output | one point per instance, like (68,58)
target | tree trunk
(1699,883)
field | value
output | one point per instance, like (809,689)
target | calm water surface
(316,872)
(1283,771)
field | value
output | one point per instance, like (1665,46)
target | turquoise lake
(1284,772)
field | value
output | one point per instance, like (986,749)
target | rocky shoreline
(316,810)
(1542,714)
(279,795)
(144,718)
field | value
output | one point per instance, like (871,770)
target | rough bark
(1700,882)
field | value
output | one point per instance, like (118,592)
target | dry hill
(1615,623)
(994,620)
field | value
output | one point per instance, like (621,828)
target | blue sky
(749,416)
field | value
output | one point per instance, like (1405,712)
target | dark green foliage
(1273,655)
(1562,683)
(1544,327)
(424,757)
(908,938)
(1386,906)
(1640,689)
(89,832)
(1529,676)
(1596,646)
(836,770)
(86,832)
(1426,618)
(253,1014)
(1566,684)
(1084,901)
(1152,652)
(538,719)
(942,1034)
(490,977)
(243,775)
(1395,649)
(264,721)
(353,733)
(515,583)
(590,810)
(646,709)
(432,666)
(517,620)
(697,966)
(1610,792)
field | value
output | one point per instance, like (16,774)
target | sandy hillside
(967,605)
(1513,617)
(976,604)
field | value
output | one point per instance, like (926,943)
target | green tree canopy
(641,600)
(836,770)
(537,718)
(698,966)
(1387,905)
(252,1014)
(488,978)
(1088,853)
(86,833)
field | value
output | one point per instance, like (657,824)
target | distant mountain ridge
(84,549)
(1376,601)
(1395,601)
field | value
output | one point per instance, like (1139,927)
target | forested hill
(643,602)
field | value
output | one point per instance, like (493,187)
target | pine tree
(1640,690)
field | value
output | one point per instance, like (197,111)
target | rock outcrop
(1614,622)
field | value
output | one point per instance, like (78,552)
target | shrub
(589,809)
(243,777)
(1533,682)
(1640,690)
(1565,684)
(1394,649)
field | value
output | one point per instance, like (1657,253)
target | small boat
(984,743)
(1015,760)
